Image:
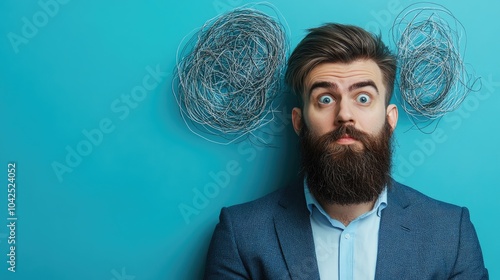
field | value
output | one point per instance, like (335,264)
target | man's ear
(392,116)
(297,120)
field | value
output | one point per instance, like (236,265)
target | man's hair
(337,43)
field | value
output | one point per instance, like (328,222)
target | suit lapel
(294,232)
(293,228)
(394,258)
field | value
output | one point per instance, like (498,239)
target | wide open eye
(363,98)
(325,99)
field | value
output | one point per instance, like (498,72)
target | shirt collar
(311,201)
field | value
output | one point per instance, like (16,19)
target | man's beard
(346,174)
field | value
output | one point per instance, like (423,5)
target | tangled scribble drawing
(433,79)
(229,74)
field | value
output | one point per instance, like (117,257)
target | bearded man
(346,218)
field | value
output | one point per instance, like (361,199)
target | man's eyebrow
(367,83)
(323,84)
(333,86)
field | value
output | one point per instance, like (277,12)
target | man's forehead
(345,74)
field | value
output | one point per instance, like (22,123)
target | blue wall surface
(104,162)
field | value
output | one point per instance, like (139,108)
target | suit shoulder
(259,207)
(417,198)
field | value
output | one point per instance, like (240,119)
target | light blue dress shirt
(342,252)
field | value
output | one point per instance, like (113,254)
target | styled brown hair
(338,43)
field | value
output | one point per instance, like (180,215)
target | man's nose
(344,114)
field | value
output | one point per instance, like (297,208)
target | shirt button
(347,236)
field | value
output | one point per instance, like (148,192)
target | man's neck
(347,213)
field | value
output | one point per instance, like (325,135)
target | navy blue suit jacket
(271,238)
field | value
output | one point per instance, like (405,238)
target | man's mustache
(348,130)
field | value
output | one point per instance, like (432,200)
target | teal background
(116,213)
